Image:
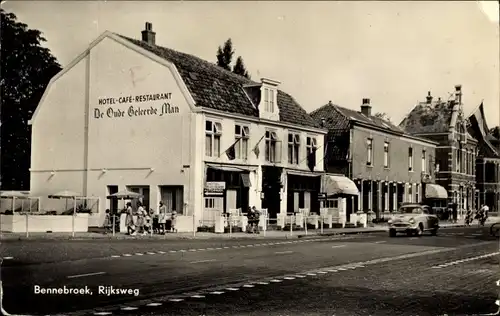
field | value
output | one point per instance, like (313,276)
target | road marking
(338,246)
(139,254)
(154,304)
(176,299)
(342,269)
(172,251)
(322,272)
(161,252)
(248,285)
(115,256)
(289,278)
(311,274)
(201,249)
(380,242)
(413,238)
(192,250)
(127,255)
(300,276)
(151,253)
(198,296)
(128,308)
(225,247)
(84,275)
(465,260)
(217,292)
(275,281)
(8,258)
(182,250)
(218,248)
(201,261)
(210,248)
(477,234)
(283,252)
(232,289)
(333,270)
(102,313)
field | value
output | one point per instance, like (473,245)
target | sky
(391,52)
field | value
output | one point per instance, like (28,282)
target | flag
(256,148)
(231,151)
(311,159)
(479,128)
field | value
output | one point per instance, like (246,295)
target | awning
(434,191)
(338,185)
(302,173)
(230,168)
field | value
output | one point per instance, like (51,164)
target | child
(108,225)
(173,221)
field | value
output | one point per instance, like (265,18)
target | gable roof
(219,89)
(429,118)
(337,117)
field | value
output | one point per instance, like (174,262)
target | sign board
(154,104)
(214,188)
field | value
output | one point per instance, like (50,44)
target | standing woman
(140,218)
(163,217)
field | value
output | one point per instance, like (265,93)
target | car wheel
(434,232)
(392,233)
(419,230)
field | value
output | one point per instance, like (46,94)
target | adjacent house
(487,161)
(387,164)
(129,114)
(444,122)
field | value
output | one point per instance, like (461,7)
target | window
(410,159)
(386,155)
(273,147)
(369,158)
(293,148)
(243,134)
(416,193)
(458,159)
(410,193)
(424,163)
(466,164)
(269,100)
(213,131)
(311,147)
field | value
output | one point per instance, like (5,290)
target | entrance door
(113,203)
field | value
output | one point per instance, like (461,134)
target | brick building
(445,123)
(386,164)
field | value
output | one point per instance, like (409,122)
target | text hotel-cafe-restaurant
(128,114)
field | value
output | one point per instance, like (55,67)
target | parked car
(413,219)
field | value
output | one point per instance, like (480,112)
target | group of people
(141,221)
(253,216)
(481,215)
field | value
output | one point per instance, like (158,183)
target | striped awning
(434,191)
(338,185)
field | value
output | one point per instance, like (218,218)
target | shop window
(241,133)
(301,199)
(213,132)
(273,147)
(293,148)
(172,197)
(330,203)
(144,191)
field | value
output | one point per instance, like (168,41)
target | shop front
(303,190)
(334,190)
(436,197)
(271,190)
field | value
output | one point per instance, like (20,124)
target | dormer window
(269,100)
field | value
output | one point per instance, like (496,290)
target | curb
(357,232)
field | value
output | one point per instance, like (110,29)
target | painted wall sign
(214,188)
(114,110)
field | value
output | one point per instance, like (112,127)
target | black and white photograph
(244,158)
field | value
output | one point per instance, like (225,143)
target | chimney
(458,94)
(148,35)
(366,109)
(429,97)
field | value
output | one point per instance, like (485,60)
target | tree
(225,55)
(27,67)
(495,132)
(383,115)
(239,68)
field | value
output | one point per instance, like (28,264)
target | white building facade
(130,115)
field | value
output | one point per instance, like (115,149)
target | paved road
(362,274)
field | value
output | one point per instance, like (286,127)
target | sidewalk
(273,234)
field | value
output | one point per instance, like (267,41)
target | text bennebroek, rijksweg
(86,290)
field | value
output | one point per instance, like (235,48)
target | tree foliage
(225,57)
(383,115)
(27,67)
(495,132)
(239,68)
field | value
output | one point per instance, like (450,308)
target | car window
(410,210)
